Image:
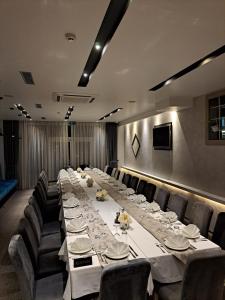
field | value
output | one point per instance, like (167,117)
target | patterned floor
(10,214)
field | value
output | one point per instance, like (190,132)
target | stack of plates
(177,242)
(170,216)
(117,250)
(80,245)
(76,225)
(191,231)
(67,195)
(153,207)
(72,213)
(71,202)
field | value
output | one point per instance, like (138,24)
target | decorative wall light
(135,145)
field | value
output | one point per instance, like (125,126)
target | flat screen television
(162,137)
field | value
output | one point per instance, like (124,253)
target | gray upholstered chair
(51,190)
(203,279)
(49,288)
(125,281)
(149,191)
(117,174)
(43,264)
(141,186)
(47,243)
(218,236)
(134,182)
(201,215)
(126,179)
(162,197)
(178,205)
(113,172)
(121,176)
(47,227)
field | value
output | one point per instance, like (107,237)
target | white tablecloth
(164,266)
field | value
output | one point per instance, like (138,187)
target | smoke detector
(70,36)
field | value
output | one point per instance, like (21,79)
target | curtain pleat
(88,145)
(43,145)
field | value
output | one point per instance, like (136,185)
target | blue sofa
(6,187)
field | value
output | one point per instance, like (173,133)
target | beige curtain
(88,144)
(42,145)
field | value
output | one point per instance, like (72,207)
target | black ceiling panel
(111,21)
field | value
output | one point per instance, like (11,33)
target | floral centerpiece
(79,170)
(101,194)
(83,175)
(90,182)
(124,220)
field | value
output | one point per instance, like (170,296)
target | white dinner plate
(117,250)
(190,237)
(72,214)
(172,246)
(80,246)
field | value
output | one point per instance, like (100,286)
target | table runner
(157,229)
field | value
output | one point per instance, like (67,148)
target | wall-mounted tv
(162,137)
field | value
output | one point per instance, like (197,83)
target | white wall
(2,163)
(191,163)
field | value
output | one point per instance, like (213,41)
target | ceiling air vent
(73,98)
(38,105)
(27,77)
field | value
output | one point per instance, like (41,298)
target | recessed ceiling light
(19,115)
(70,36)
(85,74)
(168,81)
(132,101)
(98,46)
(207,60)
(11,108)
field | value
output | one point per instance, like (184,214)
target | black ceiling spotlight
(110,114)
(111,21)
(206,59)
(23,111)
(68,113)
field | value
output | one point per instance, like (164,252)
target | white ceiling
(156,39)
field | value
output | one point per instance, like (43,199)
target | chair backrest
(134,182)
(126,179)
(113,172)
(23,267)
(162,197)
(201,215)
(218,236)
(33,201)
(44,177)
(32,217)
(141,186)
(204,276)
(178,205)
(117,174)
(121,176)
(126,280)
(30,240)
(109,170)
(149,191)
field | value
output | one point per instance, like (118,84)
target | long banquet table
(165,266)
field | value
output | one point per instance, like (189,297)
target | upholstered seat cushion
(50,243)
(51,194)
(50,288)
(49,264)
(170,291)
(50,228)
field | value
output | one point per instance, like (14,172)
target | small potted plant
(124,220)
(101,194)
